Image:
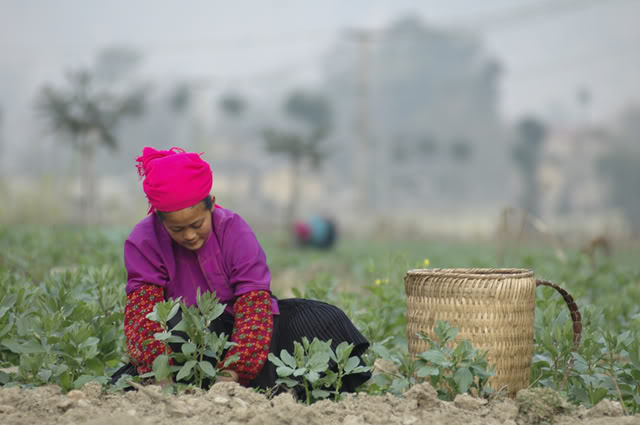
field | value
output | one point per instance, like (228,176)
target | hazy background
(406,117)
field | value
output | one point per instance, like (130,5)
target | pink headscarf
(173,179)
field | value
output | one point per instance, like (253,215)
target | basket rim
(478,273)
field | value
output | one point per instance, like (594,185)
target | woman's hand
(227,375)
(165,382)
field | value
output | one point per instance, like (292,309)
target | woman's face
(189,227)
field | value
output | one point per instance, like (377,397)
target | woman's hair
(208,204)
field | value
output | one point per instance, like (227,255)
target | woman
(188,242)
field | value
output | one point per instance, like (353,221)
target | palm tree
(86,113)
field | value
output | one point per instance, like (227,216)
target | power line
(619,51)
(531,12)
(515,15)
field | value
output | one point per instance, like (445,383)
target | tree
(621,168)
(87,111)
(233,105)
(180,98)
(461,150)
(313,112)
(2,148)
(526,154)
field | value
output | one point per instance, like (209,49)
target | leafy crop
(450,370)
(62,301)
(310,368)
(202,348)
(64,331)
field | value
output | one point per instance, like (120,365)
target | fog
(409,117)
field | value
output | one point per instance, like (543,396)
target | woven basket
(493,308)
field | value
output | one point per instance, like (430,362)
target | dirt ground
(230,404)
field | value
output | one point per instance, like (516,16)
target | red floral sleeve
(252,331)
(137,328)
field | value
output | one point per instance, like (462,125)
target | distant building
(418,108)
(571,185)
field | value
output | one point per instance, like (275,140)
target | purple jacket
(231,262)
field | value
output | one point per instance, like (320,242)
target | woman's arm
(138,329)
(252,332)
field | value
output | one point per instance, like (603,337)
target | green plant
(456,370)
(58,334)
(309,368)
(201,349)
(61,310)
(450,370)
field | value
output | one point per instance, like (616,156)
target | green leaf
(400,385)
(450,334)
(362,369)
(288,382)
(162,336)
(217,311)
(598,394)
(153,316)
(161,367)
(428,371)
(299,372)
(298,350)
(435,356)
(352,363)
(231,360)
(381,380)
(180,327)
(463,379)
(207,368)
(189,348)
(284,371)
(6,304)
(174,311)
(317,393)
(319,362)
(84,379)
(381,351)
(186,370)
(343,351)
(176,339)
(59,369)
(91,341)
(44,375)
(275,360)
(288,359)
(312,376)
(6,329)
(481,372)
(29,347)
(580,364)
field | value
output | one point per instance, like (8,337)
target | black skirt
(298,318)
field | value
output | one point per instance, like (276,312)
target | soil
(230,404)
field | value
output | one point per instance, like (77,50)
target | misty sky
(549,49)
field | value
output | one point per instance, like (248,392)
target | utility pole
(363,150)
(201,118)
(2,148)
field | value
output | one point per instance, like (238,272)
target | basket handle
(573,309)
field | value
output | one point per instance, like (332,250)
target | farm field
(61,311)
